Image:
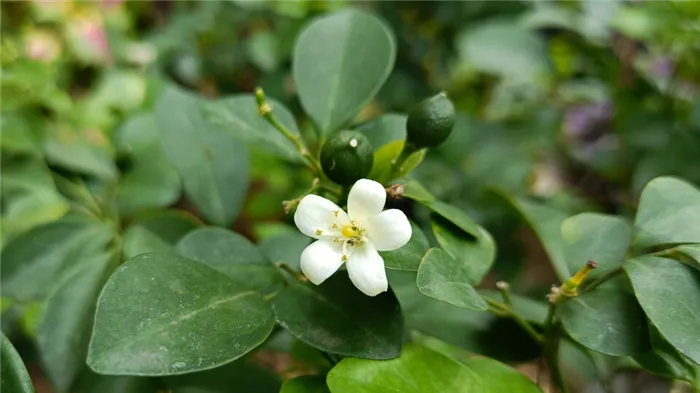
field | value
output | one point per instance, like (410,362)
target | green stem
(551,350)
(406,152)
(265,110)
(602,278)
(505,310)
(298,276)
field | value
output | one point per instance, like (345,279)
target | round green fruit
(347,157)
(430,121)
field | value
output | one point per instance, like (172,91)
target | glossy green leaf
(240,116)
(306,384)
(668,213)
(689,253)
(35,260)
(665,360)
(231,254)
(65,327)
(340,63)
(286,248)
(597,237)
(409,256)
(458,233)
(161,314)
(606,320)
(14,377)
(151,180)
(240,376)
(496,377)
(336,317)
(546,223)
(442,277)
(384,129)
(213,165)
(385,157)
(669,293)
(474,257)
(157,232)
(418,370)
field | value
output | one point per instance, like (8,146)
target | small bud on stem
(570,286)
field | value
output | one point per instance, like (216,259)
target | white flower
(353,237)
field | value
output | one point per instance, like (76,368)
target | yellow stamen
(349,231)
(319,232)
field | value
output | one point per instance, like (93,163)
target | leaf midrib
(130,340)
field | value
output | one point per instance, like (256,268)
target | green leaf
(239,115)
(35,260)
(214,166)
(233,255)
(409,256)
(442,277)
(418,370)
(306,384)
(597,237)
(162,314)
(158,232)
(503,48)
(606,320)
(669,293)
(336,317)
(688,253)
(495,376)
(668,213)
(664,360)
(386,128)
(458,234)
(240,376)
(474,257)
(64,330)
(340,63)
(286,248)
(385,157)
(151,181)
(15,378)
(71,150)
(546,222)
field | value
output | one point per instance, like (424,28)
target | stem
(265,110)
(505,310)
(602,278)
(551,350)
(298,276)
(406,152)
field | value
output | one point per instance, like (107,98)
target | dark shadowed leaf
(306,384)
(336,317)
(14,377)
(409,256)
(240,376)
(157,232)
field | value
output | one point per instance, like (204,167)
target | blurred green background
(578,104)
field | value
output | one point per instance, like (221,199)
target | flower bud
(346,157)
(430,121)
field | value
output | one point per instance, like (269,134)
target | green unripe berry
(347,157)
(430,121)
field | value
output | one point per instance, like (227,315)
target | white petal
(366,198)
(320,260)
(315,217)
(388,230)
(366,270)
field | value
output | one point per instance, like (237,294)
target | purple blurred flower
(582,119)
(662,67)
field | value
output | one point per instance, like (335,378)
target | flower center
(350,231)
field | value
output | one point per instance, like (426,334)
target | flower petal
(320,260)
(388,230)
(366,270)
(315,217)
(366,198)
